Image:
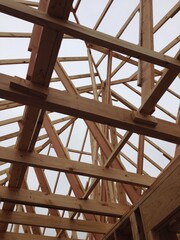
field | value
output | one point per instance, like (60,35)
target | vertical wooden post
(140,157)
(146,70)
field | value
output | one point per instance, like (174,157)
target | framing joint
(144,119)
(28,87)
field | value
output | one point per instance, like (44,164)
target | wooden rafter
(76,153)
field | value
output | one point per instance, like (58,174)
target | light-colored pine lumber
(88,35)
(53,222)
(55,201)
(90,110)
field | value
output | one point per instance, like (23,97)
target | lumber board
(56,201)
(159,89)
(170,14)
(146,70)
(62,102)
(29,3)
(134,227)
(87,34)
(96,132)
(44,45)
(69,166)
(20,236)
(53,222)
(61,151)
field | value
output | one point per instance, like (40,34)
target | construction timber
(89,120)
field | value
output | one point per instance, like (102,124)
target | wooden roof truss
(84,137)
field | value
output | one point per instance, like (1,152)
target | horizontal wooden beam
(26,13)
(10,120)
(56,201)
(8,104)
(27,60)
(14,35)
(68,166)
(62,102)
(53,222)
(20,236)
(24,35)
